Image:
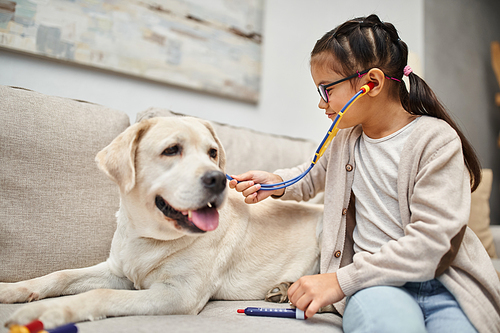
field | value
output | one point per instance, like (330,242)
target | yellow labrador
(182,236)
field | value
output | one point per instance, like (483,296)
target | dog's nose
(215,181)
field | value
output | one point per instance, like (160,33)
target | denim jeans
(415,307)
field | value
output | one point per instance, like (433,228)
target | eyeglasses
(323,88)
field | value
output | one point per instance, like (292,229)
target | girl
(397,182)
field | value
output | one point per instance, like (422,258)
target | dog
(182,237)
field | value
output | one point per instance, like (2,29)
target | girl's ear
(376,76)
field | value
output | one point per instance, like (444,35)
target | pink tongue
(207,219)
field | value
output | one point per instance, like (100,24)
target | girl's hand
(249,185)
(312,292)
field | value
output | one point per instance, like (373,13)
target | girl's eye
(212,153)
(172,151)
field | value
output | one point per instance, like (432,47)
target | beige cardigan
(434,201)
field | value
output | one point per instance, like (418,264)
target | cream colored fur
(158,267)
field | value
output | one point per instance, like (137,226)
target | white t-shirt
(378,219)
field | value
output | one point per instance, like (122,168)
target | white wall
(288,101)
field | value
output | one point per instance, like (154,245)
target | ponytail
(421,100)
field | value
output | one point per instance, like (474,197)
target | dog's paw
(328,309)
(17,293)
(278,293)
(50,313)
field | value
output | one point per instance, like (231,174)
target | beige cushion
(216,316)
(479,220)
(56,208)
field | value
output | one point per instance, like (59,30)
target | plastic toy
(36,326)
(274,312)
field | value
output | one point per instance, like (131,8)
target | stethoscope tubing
(332,132)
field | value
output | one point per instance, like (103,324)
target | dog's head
(171,175)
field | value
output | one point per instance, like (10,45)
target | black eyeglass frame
(323,88)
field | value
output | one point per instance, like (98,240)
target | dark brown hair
(366,42)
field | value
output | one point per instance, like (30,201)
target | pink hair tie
(407,70)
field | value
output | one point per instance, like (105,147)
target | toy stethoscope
(332,132)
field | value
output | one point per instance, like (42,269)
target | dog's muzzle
(204,218)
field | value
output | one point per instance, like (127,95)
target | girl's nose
(322,104)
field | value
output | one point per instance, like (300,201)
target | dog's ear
(222,152)
(117,160)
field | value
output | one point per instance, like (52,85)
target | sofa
(57,210)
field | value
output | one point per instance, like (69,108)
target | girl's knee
(382,309)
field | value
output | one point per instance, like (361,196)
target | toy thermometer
(274,312)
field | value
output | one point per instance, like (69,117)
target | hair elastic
(407,70)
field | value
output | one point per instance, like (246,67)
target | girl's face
(339,95)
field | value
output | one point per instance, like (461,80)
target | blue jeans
(415,307)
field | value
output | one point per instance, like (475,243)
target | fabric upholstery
(479,220)
(216,317)
(56,207)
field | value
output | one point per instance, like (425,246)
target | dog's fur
(162,261)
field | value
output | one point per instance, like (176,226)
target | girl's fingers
(291,291)
(303,301)
(244,176)
(252,190)
(233,183)
(242,186)
(295,292)
(251,199)
(249,185)
(312,309)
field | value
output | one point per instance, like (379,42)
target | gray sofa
(57,209)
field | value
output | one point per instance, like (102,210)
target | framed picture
(212,46)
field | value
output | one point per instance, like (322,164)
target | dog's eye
(171,151)
(212,153)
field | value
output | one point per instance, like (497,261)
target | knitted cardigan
(434,201)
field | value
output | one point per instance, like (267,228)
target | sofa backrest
(56,207)
(247,149)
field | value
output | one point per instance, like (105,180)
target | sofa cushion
(216,317)
(56,207)
(479,220)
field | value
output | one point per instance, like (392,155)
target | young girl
(396,254)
